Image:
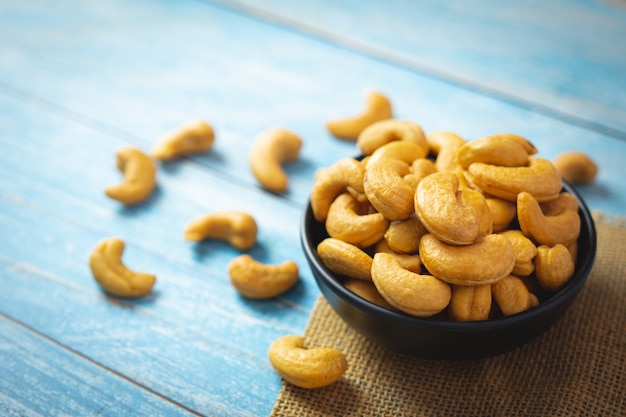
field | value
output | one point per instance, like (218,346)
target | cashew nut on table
(139,176)
(235,227)
(267,154)
(253,279)
(196,137)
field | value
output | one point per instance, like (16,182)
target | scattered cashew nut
(191,138)
(378,107)
(139,176)
(253,279)
(306,368)
(237,228)
(113,276)
(269,150)
(576,167)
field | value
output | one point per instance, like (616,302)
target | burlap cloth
(578,367)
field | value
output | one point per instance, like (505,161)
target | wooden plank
(562,58)
(40,378)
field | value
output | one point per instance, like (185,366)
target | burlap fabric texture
(576,368)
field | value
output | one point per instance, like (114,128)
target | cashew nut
(512,296)
(520,140)
(348,222)
(332,181)
(403,236)
(306,368)
(494,150)
(540,178)
(378,107)
(546,230)
(409,262)
(414,294)
(565,201)
(139,176)
(576,167)
(402,150)
(387,190)
(368,291)
(237,228)
(194,137)
(383,132)
(484,262)
(525,251)
(445,145)
(553,266)
(345,259)
(458,217)
(502,212)
(470,303)
(113,276)
(269,150)
(253,279)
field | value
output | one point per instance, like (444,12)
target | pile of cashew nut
(423,224)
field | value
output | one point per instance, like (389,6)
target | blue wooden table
(79,80)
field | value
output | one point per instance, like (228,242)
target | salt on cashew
(403,236)
(525,252)
(457,217)
(267,154)
(576,167)
(348,220)
(237,228)
(546,230)
(345,259)
(306,368)
(415,294)
(195,137)
(378,107)
(540,178)
(383,132)
(332,181)
(484,262)
(368,291)
(502,212)
(512,296)
(494,150)
(470,303)
(113,276)
(387,190)
(553,266)
(139,176)
(445,146)
(256,280)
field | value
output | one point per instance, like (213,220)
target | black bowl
(443,339)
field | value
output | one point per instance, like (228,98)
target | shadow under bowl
(443,339)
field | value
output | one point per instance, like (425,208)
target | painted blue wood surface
(78,81)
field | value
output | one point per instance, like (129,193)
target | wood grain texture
(79,81)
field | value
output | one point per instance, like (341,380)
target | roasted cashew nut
(387,190)
(540,178)
(192,138)
(576,167)
(139,176)
(403,236)
(345,259)
(484,262)
(457,217)
(445,146)
(237,228)
(306,368)
(553,267)
(378,107)
(253,279)
(113,276)
(384,132)
(368,291)
(512,296)
(470,303)
(404,151)
(525,252)
(409,262)
(269,150)
(415,294)
(546,230)
(332,181)
(347,221)
(494,150)
(503,212)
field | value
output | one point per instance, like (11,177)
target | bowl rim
(568,292)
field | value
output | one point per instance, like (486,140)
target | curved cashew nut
(494,150)
(332,181)
(387,190)
(409,262)
(546,230)
(367,290)
(457,217)
(403,236)
(345,259)
(402,150)
(268,152)
(306,368)
(553,266)
(139,176)
(540,178)
(194,137)
(378,107)
(512,296)
(502,212)
(520,140)
(445,145)
(237,228)
(113,276)
(484,262)
(470,303)
(565,201)
(576,167)
(414,294)
(525,251)
(383,132)
(253,279)
(345,222)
